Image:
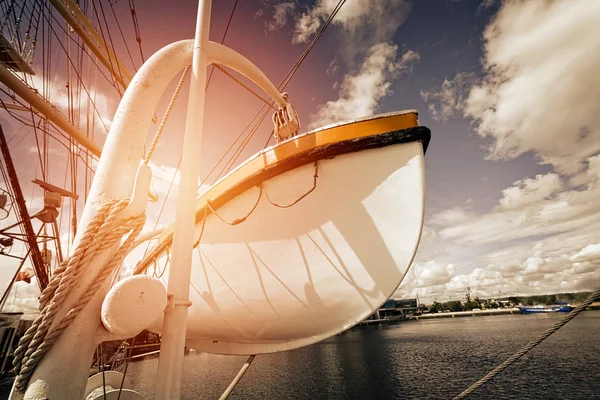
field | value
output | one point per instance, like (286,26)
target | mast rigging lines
(264,110)
(39,12)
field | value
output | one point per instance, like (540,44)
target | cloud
(23,297)
(432,273)
(333,67)
(529,191)
(281,13)
(541,89)
(541,237)
(485,4)
(100,112)
(531,207)
(365,53)
(588,253)
(444,102)
(364,23)
(538,272)
(360,93)
(162,175)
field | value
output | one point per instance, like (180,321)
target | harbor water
(426,359)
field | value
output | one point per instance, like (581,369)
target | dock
(478,313)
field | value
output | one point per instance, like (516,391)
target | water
(427,359)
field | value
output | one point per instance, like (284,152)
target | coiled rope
(593,297)
(100,235)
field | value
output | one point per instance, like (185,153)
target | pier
(474,313)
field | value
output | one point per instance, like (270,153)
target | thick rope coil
(593,297)
(50,292)
(100,235)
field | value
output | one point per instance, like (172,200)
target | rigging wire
(80,79)
(37,143)
(222,40)
(136,28)
(180,158)
(81,47)
(59,133)
(110,59)
(595,296)
(236,80)
(280,87)
(122,35)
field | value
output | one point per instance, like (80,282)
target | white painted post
(170,364)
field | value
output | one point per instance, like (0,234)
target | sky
(509,89)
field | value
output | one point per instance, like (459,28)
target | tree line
(509,301)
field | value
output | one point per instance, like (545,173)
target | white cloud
(333,67)
(432,274)
(361,93)
(541,91)
(529,191)
(365,53)
(531,207)
(588,253)
(23,297)
(281,13)
(444,102)
(541,237)
(364,22)
(58,95)
(163,175)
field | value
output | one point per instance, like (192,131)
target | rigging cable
(280,87)
(80,79)
(222,41)
(136,28)
(512,359)
(110,59)
(122,35)
(206,88)
(236,80)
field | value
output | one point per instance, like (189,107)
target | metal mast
(170,365)
(33,248)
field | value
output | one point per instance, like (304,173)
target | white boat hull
(290,277)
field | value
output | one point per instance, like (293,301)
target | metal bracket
(172,303)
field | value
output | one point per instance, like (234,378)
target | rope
(315,177)
(98,237)
(237,378)
(122,35)
(262,191)
(236,80)
(136,28)
(201,229)
(593,297)
(280,88)
(212,70)
(237,220)
(165,117)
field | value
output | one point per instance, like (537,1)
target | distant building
(395,308)
(407,306)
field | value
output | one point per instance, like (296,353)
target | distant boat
(545,309)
